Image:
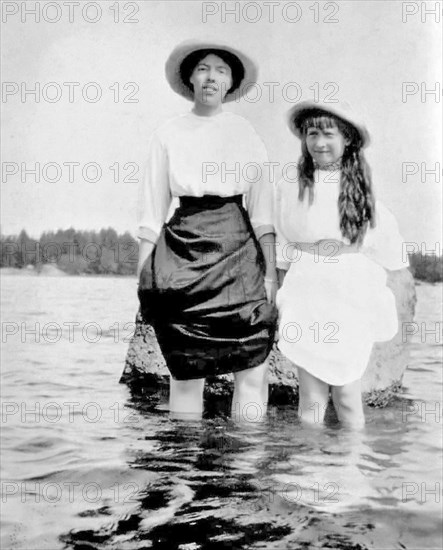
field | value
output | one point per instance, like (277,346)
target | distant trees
(75,252)
(426,267)
(105,252)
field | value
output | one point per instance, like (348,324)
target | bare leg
(186,398)
(348,404)
(313,398)
(250,399)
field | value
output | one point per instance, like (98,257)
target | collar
(330,167)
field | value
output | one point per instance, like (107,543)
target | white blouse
(194,155)
(299,222)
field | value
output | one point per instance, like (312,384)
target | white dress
(333,308)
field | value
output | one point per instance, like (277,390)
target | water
(86,465)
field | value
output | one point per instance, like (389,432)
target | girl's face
(211,78)
(326,145)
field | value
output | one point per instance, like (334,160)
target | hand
(334,247)
(271,287)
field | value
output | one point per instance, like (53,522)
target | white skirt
(331,313)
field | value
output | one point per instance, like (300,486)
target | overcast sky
(383,57)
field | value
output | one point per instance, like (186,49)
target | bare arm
(267,244)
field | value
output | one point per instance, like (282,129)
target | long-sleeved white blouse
(300,222)
(194,155)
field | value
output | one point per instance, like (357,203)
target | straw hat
(341,110)
(179,54)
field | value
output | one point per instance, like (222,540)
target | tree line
(105,252)
(75,252)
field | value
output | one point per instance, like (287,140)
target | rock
(389,360)
(145,371)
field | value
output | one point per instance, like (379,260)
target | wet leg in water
(313,398)
(250,399)
(186,398)
(348,405)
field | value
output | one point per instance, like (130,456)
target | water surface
(86,465)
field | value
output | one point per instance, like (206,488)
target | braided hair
(356,202)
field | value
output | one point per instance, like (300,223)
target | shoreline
(53,271)
(49,270)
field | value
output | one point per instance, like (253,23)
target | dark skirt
(202,290)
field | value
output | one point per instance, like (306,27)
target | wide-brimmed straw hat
(341,110)
(181,52)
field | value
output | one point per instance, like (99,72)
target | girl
(333,243)
(208,277)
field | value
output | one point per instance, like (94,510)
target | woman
(207,276)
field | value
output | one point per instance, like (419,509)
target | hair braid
(356,204)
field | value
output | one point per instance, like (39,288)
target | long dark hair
(356,202)
(191,61)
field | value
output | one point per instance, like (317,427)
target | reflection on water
(88,465)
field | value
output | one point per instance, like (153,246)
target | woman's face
(326,145)
(211,78)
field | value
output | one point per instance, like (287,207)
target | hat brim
(343,111)
(179,54)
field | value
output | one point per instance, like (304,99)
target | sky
(89,138)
